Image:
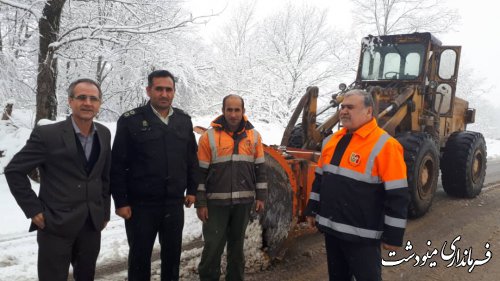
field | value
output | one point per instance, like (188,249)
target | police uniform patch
(145,126)
(354,159)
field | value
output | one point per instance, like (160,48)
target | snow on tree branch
(58,44)
(24,7)
(134,29)
(404,16)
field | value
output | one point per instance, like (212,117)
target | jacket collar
(77,129)
(219,123)
(152,117)
(364,130)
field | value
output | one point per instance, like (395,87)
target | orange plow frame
(299,165)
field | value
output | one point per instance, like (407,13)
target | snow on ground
(493,148)
(18,248)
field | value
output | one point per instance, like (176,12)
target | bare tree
(1,39)
(121,59)
(477,92)
(300,50)
(18,65)
(238,29)
(404,16)
(117,27)
(48,28)
(237,48)
(272,60)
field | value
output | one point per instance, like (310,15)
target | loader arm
(295,116)
(398,108)
(311,133)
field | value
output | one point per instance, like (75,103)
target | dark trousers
(56,253)
(146,222)
(347,259)
(224,224)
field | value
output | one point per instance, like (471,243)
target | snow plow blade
(290,175)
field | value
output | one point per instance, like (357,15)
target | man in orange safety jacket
(360,193)
(231,158)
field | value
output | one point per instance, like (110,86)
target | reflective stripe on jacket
(360,191)
(231,165)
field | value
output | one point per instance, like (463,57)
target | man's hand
(259,206)
(390,247)
(311,221)
(124,212)
(202,213)
(39,220)
(189,201)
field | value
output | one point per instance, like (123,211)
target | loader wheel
(422,168)
(296,138)
(463,166)
(277,217)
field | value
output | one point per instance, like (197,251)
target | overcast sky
(477,31)
(478,35)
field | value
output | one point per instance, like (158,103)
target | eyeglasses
(93,99)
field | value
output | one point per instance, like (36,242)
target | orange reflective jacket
(360,190)
(231,164)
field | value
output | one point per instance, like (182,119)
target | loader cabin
(399,61)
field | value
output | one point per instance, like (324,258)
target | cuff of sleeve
(120,202)
(261,195)
(31,213)
(393,236)
(201,200)
(311,208)
(191,191)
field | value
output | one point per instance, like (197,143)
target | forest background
(268,52)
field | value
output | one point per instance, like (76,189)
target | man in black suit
(72,207)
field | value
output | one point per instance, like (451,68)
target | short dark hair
(160,73)
(232,96)
(367,97)
(73,84)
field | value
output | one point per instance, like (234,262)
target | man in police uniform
(154,162)
(360,196)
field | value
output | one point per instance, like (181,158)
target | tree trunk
(101,64)
(7,111)
(46,99)
(1,42)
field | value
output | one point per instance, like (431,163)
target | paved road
(476,221)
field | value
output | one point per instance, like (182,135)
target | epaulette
(129,113)
(132,112)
